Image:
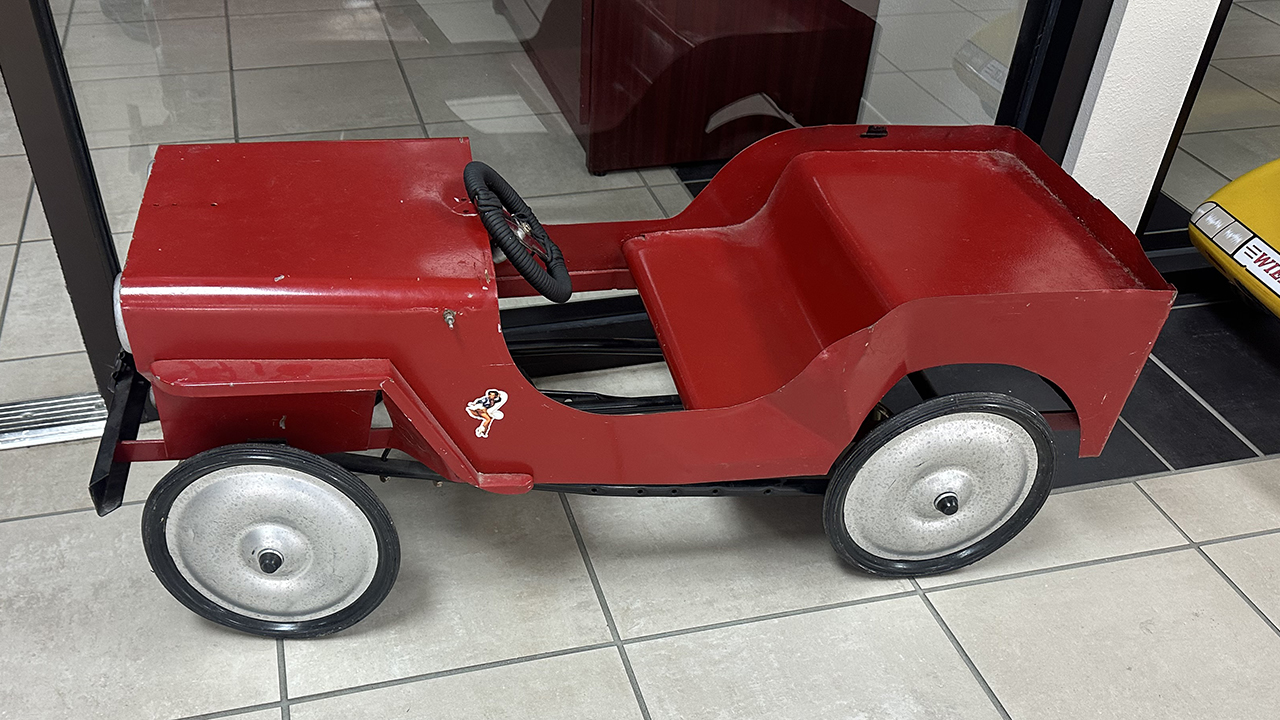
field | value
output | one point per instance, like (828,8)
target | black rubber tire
(490,193)
(156,511)
(845,472)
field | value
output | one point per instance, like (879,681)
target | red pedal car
(277,293)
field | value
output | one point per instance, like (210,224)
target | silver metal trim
(51,420)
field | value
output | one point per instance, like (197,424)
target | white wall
(1148,55)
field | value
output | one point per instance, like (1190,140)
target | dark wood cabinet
(656,82)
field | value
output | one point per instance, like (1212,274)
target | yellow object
(1238,230)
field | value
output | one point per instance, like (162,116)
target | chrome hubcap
(271,543)
(941,486)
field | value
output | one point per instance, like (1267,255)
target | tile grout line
(422,677)
(1226,578)
(1207,406)
(283,678)
(716,626)
(937,616)
(1058,568)
(604,607)
(1220,69)
(289,66)
(766,617)
(1159,474)
(1207,166)
(43,356)
(661,208)
(231,78)
(232,712)
(13,264)
(1146,444)
(1251,11)
(404,74)
(940,101)
(1206,303)
(55,513)
(1227,130)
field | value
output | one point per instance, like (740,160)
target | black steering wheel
(517,233)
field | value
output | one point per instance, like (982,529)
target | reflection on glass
(650,82)
(552,91)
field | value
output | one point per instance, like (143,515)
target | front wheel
(940,485)
(270,540)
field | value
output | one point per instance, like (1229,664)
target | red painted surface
(294,280)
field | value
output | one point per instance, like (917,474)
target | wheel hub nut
(270,561)
(947,503)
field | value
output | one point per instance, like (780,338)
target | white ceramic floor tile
(980,5)
(318,98)
(263,7)
(122,177)
(44,377)
(671,563)
(1076,527)
(1225,103)
(15,183)
(945,86)
(590,685)
(480,89)
(307,38)
(673,198)
(538,155)
(538,300)
(1245,34)
(466,23)
(925,42)
(1259,73)
(658,176)
(88,12)
(10,139)
(882,660)
(149,48)
(157,109)
(894,97)
(1269,9)
(483,577)
(55,478)
(37,227)
(1251,565)
(89,632)
(387,133)
(435,30)
(913,7)
(603,206)
(1155,637)
(1220,502)
(1190,181)
(1234,152)
(38,319)
(868,115)
(634,381)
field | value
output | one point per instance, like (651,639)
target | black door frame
(45,109)
(1050,68)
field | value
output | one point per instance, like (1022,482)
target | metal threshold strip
(52,420)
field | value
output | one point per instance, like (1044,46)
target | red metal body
(273,289)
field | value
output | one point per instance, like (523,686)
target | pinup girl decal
(486,409)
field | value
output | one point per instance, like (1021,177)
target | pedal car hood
(228,228)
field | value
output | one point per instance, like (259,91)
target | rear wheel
(270,540)
(940,485)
